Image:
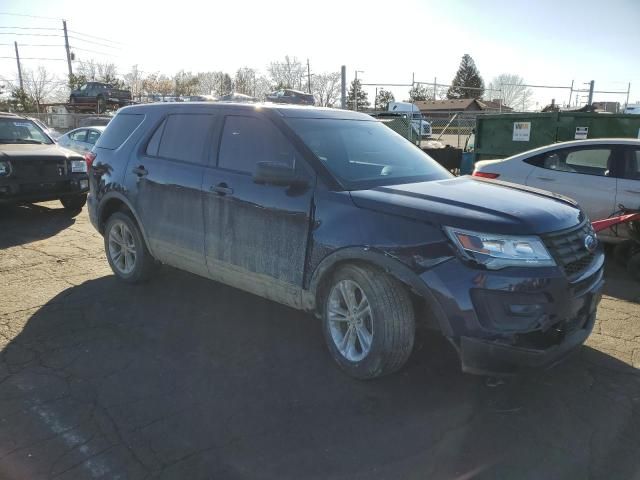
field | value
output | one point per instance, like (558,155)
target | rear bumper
(18,191)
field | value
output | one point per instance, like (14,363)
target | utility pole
(628,92)
(66,46)
(343,87)
(308,77)
(591,85)
(435,87)
(19,68)
(570,93)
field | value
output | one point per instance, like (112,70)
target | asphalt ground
(185,378)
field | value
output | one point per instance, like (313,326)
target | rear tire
(126,249)
(74,203)
(378,312)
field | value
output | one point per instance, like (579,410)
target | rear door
(256,235)
(582,173)
(169,175)
(628,194)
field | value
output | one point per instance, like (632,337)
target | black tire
(622,252)
(74,203)
(144,264)
(392,322)
(633,266)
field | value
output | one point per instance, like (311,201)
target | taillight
(485,174)
(89,157)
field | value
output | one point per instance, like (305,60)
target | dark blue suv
(331,212)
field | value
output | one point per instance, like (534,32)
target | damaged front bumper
(504,322)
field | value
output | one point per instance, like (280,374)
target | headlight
(5,168)
(499,251)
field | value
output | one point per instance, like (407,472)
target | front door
(256,235)
(169,189)
(628,194)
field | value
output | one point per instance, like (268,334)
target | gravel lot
(185,378)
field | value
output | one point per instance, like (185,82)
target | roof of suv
(10,115)
(284,110)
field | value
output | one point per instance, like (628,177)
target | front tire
(74,203)
(368,321)
(126,249)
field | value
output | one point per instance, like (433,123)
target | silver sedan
(81,140)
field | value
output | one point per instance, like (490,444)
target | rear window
(118,130)
(184,137)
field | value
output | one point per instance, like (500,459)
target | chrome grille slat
(568,250)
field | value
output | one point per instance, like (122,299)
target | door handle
(546,179)
(140,171)
(221,189)
(632,191)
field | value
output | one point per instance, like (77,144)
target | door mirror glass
(275,173)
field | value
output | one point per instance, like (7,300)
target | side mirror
(275,173)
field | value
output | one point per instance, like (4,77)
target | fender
(385,262)
(114,194)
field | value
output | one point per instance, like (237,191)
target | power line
(37,58)
(93,36)
(31,34)
(34,45)
(31,28)
(92,42)
(24,15)
(93,51)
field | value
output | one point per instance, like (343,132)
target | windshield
(363,154)
(417,116)
(20,130)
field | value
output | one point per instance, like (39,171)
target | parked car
(420,125)
(331,212)
(288,95)
(633,108)
(600,174)
(102,94)
(81,140)
(34,169)
(51,132)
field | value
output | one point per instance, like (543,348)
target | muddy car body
(330,212)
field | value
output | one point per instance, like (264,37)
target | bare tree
(287,74)
(94,71)
(245,81)
(40,85)
(186,83)
(134,81)
(510,88)
(262,87)
(326,88)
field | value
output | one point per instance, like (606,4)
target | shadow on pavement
(618,282)
(186,378)
(20,224)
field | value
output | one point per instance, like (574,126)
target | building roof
(459,104)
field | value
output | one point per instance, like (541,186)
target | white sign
(581,133)
(521,131)
(639,133)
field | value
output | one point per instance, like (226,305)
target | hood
(15,151)
(480,205)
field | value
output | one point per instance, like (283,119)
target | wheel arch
(367,256)
(116,202)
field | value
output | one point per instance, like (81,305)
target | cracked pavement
(186,378)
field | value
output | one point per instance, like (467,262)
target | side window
(79,136)
(249,140)
(93,136)
(632,164)
(590,161)
(154,142)
(185,136)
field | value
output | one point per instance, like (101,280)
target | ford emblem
(590,243)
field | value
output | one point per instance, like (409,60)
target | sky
(546,42)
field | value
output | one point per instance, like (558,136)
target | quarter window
(78,136)
(93,136)
(249,140)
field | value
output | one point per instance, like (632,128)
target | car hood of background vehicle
(473,204)
(27,150)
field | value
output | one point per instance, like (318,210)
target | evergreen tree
(357,97)
(383,99)
(467,76)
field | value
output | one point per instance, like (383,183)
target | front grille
(568,249)
(40,169)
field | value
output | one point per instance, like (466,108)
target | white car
(81,140)
(600,174)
